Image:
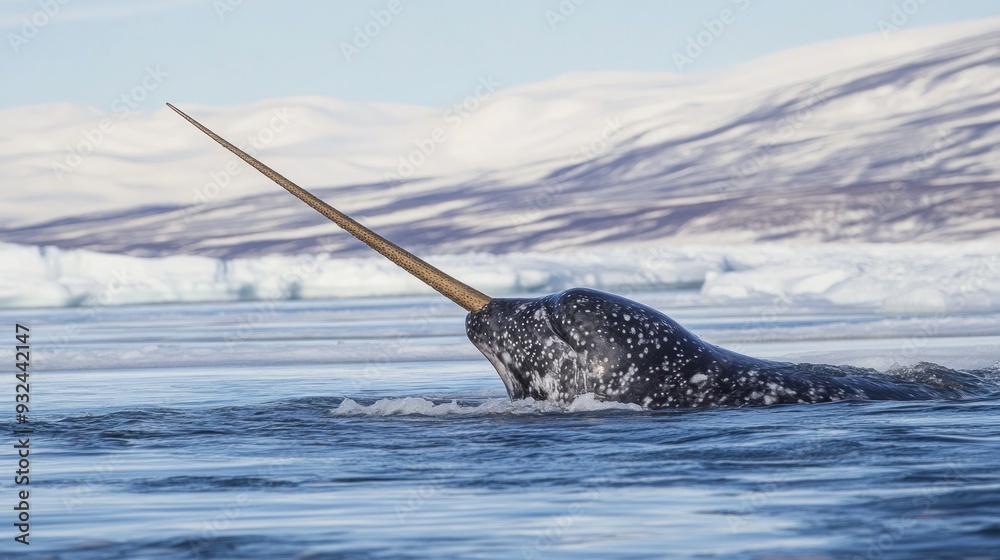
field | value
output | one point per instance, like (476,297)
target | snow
(859,173)
(894,278)
(860,139)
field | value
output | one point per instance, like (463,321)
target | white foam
(417,406)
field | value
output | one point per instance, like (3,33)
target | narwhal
(579,341)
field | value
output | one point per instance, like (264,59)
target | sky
(229,52)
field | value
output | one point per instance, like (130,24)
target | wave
(417,406)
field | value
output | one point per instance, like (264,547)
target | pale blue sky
(430,53)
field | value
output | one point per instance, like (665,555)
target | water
(371,428)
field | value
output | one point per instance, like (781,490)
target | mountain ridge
(896,148)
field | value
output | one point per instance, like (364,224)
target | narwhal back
(578,341)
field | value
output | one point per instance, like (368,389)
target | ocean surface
(371,428)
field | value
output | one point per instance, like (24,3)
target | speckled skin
(581,341)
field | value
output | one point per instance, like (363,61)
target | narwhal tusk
(469,298)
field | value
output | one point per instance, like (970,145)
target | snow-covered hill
(619,181)
(862,139)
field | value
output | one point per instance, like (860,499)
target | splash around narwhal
(584,341)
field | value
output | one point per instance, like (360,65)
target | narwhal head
(580,341)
